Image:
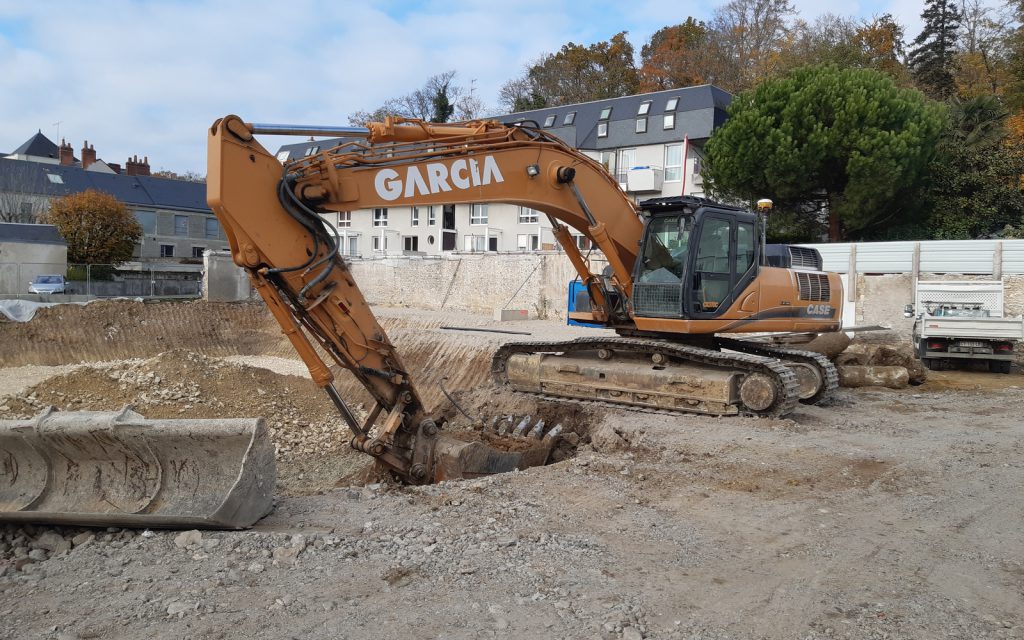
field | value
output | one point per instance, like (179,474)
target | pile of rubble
(870,365)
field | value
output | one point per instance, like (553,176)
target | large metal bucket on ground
(120,469)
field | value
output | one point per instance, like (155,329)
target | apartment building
(176,221)
(652,143)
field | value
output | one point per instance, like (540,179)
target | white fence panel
(1013,256)
(957,256)
(885,257)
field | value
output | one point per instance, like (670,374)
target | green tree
(577,73)
(835,145)
(98,228)
(933,58)
(975,187)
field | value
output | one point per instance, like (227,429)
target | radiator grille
(659,300)
(813,286)
(805,257)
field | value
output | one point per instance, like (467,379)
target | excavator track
(826,371)
(785,385)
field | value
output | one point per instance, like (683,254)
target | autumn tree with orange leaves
(98,228)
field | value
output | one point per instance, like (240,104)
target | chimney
(135,167)
(114,166)
(67,154)
(88,155)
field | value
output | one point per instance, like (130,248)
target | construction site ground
(885,514)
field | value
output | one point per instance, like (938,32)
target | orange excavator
(681,272)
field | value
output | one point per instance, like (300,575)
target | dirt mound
(312,442)
(118,329)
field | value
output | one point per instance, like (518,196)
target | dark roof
(699,111)
(25,176)
(30,233)
(38,145)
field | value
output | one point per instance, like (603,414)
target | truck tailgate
(985,328)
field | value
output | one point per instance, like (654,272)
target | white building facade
(653,143)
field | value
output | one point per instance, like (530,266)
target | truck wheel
(999,366)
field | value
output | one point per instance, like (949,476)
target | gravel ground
(888,514)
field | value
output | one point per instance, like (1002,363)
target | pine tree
(933,57)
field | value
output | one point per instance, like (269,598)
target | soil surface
(885,514)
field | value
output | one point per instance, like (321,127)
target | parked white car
(48,284)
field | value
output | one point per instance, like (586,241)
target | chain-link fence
(101,280)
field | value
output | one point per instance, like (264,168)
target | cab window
(666,249)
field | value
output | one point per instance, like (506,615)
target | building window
(54,178)
(608,160)
(673,162)
(527,215)
(377,243)
(353,246)
(344,219)
(696,166)
(582,242)
(641,125)
(478,214)
(380,217)
(311,150)
(147,220)
(671,106)
(605,113)
(197,252)
(181,225)
(670,121)
(645,108)
(550,120)
(527,242)
(282,156)
(481,243)
(569,118)
(602,130)
(431,217)
(411,243)
(212,228)
(167,251)
(414,217)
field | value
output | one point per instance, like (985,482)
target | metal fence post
(152,283)
(88,279)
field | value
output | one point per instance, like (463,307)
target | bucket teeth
(554,433)
(505,425)
(521,427)
(494,424)
(538,430)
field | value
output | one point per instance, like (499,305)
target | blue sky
(148,78)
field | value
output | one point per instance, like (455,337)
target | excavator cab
(696,257)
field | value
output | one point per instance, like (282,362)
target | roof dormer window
(641,125)
(605,113)
(550,120)
(569,118)
(55,179)
(672,102)
(645,108)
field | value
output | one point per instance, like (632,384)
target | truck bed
(981,328)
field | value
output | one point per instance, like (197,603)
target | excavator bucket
(120,469)
(495,450)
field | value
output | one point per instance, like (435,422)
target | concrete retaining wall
(538,282)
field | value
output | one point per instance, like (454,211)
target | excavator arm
(292,258)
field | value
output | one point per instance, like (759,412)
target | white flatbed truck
(961,321)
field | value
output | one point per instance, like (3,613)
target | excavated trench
(236,365)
